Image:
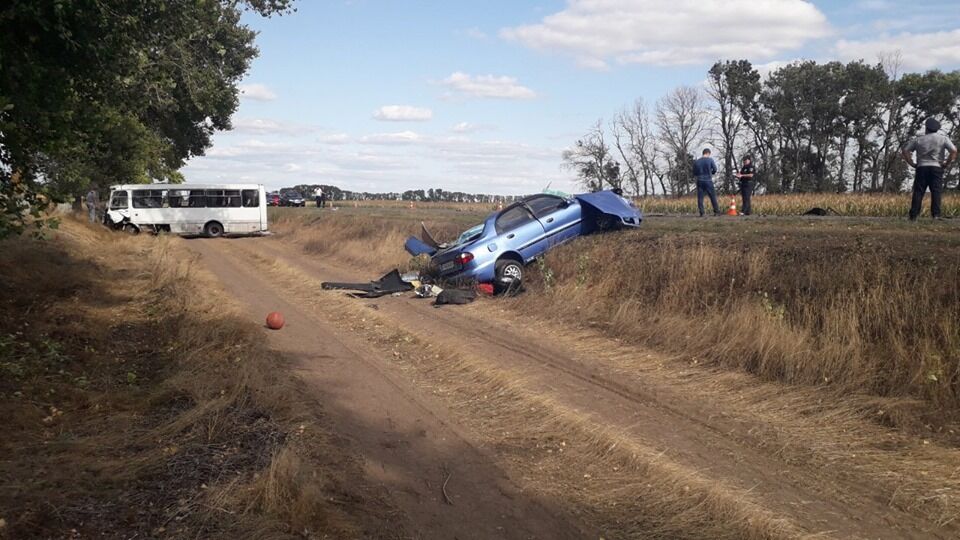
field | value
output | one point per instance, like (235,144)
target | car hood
(608,202)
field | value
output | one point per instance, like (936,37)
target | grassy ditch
(866,311)
(138,404)
(859,306)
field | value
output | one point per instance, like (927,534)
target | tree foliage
(94,92)
(810,127)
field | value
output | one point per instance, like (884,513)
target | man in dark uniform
(746,184)
(703,171)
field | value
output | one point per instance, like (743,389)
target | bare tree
(638,147)
(592,159)
(681,119)
(728,119)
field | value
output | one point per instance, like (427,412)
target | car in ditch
(498,249)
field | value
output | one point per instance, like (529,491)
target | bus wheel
(131,229)
(213,229)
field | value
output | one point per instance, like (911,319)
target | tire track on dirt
(647,415)
(446,485)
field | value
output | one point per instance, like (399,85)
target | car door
(518,230)
(560,219)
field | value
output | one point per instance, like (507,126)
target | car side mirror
(564,203)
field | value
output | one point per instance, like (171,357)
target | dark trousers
(746,191)
(706,187)
(927,177)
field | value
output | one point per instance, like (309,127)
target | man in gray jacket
(935,152)
(93,204)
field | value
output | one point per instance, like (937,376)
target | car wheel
(213,229)
(509,272)
(131,229)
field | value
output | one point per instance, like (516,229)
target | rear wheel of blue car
(509,274)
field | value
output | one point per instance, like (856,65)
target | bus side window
(118,200)
(197,199)
(232,198)
(215,198)
(147,198)
(251,198)
(177,198)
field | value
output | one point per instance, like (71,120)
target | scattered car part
(388,284)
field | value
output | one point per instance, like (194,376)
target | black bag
(456,296)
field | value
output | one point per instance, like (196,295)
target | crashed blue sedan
(497,249)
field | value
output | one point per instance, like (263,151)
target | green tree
(103,91)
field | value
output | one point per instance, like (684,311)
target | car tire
(213,230)
(509,273)
(131,229)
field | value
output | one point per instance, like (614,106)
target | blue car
(498,249)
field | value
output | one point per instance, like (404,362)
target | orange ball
(275,320)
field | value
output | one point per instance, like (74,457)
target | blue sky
(484,96)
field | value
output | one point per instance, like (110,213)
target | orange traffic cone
(733,206)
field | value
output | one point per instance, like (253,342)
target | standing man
(703,170)
(93,204)
(746,183)
(318,195)
(931,149)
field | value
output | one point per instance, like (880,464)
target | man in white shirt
(935,152)
(318,195)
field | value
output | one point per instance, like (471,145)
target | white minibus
(190,209)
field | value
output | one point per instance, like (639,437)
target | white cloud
(267,126)
(402,113)
(400,137)
(595,32)
(918,51)
(469,127)
(334,138)
(475,33)
(488,86)
(257,92)
(874,5)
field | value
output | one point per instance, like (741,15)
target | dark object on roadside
(292,198)
(497,250)
(273,199)
(388,284)
(817,211)
(455,296)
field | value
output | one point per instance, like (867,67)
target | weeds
(138,403)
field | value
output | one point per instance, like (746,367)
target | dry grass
(847,204)
(625,487)
(875,316)
(359,240)
(826,429)
(140,403)
(868,307)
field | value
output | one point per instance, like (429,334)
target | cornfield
(863,205)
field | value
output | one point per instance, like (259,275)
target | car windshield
(470,234)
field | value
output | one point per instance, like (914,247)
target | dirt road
(638,446)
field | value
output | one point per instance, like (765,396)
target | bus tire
(213,229)
(131,229)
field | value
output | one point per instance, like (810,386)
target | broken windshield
(470,234)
